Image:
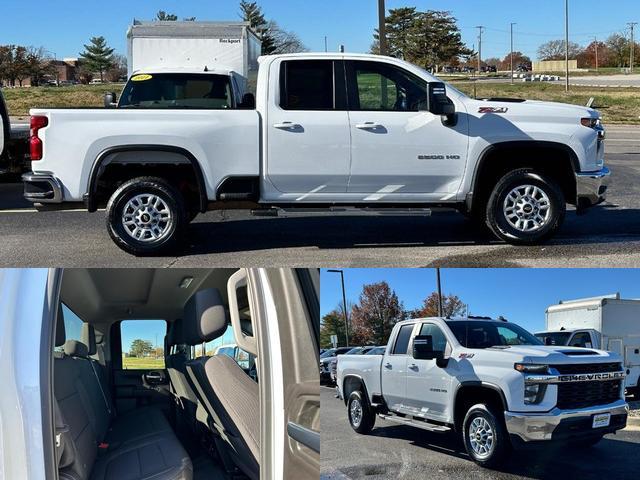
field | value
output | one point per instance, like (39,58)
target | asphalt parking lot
(607,236)
(396,451)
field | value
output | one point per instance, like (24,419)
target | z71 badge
(493,110)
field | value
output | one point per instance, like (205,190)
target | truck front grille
(587,368)
(587,394)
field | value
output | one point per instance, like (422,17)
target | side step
(431,427)
(341,211)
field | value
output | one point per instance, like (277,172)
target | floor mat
(205,469)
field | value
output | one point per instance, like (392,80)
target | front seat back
(229,395)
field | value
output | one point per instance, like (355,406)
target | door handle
(305,436)
(413,366)
(387,365)
(287,126)
(369,126)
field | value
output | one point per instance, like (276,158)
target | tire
(585,442)
(165,218)
(494,439)
(367,418)
(536,205)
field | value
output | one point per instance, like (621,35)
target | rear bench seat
(141,443)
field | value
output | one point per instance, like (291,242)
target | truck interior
(156,375)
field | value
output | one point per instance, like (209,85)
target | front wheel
(525,208)
(361,417)
(146,216)
(485,436)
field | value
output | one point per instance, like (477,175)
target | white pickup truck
(491,381)
(330,132)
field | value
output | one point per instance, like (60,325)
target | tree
(332,324)
(118,70)
(140,348)
(375,315)
(20,68)
(400,27)
(519,58)
(452,306)
(587,58)
(555,50)
(97,56)
(163,16)
(274,39)
(39,65)
(284,41)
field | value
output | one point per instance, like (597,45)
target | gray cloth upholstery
(88,337)
(74,348)
(205,317)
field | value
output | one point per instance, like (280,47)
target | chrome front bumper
(42,188)
(591,187)
(530,427)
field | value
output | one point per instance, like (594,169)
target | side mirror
(110,100)
(423,350)
(248,101)
(439,103)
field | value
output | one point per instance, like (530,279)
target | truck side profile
(490,381)
(329,132)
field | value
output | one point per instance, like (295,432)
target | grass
(20,100)
(617,105)
(134,363)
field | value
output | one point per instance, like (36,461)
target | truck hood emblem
(493,110)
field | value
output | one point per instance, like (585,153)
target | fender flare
(523,144)
(478,383)
(90,196)
(364,386)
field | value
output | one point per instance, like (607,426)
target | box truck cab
(607,323)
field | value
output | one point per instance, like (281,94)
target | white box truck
(197,45)
(607,323)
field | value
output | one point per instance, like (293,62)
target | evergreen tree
(251,12)
(163,16)
(97,56)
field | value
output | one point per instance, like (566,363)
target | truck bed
(366,367)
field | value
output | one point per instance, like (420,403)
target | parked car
(492,382)
(607,323)
(79,402)
(512,165)
(325,363)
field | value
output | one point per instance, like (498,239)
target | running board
(431,427)
(341,211)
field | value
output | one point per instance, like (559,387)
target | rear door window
(143,344)
(307,85)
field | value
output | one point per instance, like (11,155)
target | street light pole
(595,39)
(566,44)
(512,24)
(480,29)
(632,58)
(439,292)
(344,303)
(382,34)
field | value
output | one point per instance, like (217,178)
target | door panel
(132,391)
(397,147)
(308,138)
(394,369)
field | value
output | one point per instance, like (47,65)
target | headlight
(590,122)
(532,394)
(531,368)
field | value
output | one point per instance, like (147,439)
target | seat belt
(104,395)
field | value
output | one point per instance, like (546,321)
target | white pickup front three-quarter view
(329,133)
(490,381)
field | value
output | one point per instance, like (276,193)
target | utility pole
(440,311)
(382,33)
(326,47)
(566,44)
(512,24)
(344,303)
(480,29)
(595,39)
(632,58)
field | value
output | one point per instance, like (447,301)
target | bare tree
(284,41)
(555,50)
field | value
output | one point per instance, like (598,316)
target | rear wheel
(146,216)
(525,208)
(361,416)
(485,435)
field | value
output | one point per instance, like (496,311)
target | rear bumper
(42,188)
(591,187)
(564,424)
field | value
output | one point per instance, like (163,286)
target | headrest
(88,337)
(176,333)
(205,317)
(60,333)
(74,348)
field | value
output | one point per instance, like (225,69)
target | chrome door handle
(287,126)
(387,365)
(413,366)
(369,126)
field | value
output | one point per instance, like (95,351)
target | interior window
(384,87)
(307,85)
(142,344)
(72,326)
(439,340)
(402,341)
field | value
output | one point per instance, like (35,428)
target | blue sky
(64,25)
(520,295)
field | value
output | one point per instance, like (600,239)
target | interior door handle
(305,436)
(368,126)
(287,126)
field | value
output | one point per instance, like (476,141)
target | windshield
(178,90)
(329,353)
(554,338)
(479,334)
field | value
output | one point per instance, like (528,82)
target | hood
(556,354)
(516,107)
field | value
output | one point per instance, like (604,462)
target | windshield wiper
(501,347)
